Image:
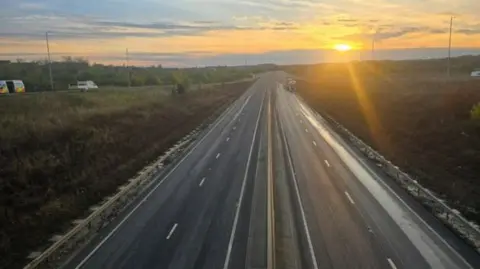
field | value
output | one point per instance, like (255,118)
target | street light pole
(373,48)
(449,47)
(49,62)
(373,45)
(128,69)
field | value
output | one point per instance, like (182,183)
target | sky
(234,32)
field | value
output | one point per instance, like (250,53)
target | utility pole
(49,61)
(128,69)
(449,47)
(373,47)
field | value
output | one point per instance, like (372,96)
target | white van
(475,74)
(83,85)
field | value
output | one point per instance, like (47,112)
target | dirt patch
(423,125)
(55,164)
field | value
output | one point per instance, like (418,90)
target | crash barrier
(83,231)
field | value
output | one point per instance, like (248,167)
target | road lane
(200,214)
(340,239)
(358,220)
(181,224)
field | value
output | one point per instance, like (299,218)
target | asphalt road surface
(211,209)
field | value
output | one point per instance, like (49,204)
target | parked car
(11,86)
(83,86)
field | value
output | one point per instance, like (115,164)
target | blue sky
(204,32)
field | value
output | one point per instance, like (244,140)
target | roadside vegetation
(62,153)
(35,74)
(475,112)
(409,112)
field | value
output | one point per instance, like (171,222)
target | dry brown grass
(62,153)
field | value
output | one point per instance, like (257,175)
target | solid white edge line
(314,143)
(299,199)
(327,163)
(218,155)
(392,264)
(239,203)
(172,231)
(349,197)
(114,230)
(201,182)
(389,190)
(228,138)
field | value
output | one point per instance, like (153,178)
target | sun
(342,47)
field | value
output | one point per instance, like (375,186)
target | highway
(270,176)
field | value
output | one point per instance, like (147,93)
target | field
(420,121)
(64,152)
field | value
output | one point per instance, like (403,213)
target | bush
(475,112)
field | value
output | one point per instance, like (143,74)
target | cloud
(384,33)
(80,27)
(32,6)
(162,25)
(228,26)
(347,20)
(468,31)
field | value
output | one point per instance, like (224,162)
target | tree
(152,80)
(182,82)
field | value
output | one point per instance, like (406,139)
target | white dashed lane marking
(172,231)
(392,264)
(349,198)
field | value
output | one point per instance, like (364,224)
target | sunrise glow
(342,47)
(230,32)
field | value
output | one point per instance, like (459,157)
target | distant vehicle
(11,86)
(290,85)
(83,85)
(476,73)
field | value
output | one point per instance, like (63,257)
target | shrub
(475,112)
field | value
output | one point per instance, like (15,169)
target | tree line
(35,74)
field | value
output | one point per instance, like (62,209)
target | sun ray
(368,110)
